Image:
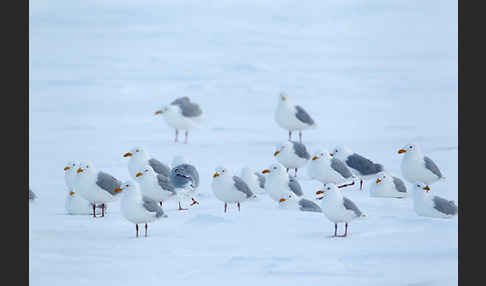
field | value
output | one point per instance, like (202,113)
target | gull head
(136,152)
(321,154)
(280,147)
(421,187)
(383,177)
(282,96)
(85,168)
(144,172)
(326,191)
(70,166)
(340,152)
(220,172)
(409,148)
(125,187)
(274,169)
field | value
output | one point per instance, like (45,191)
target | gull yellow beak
(116,190)
(128,154)
(276,153)
(401,151)
(315,158)
(284,97)
(265,171)
(427,188)
(79,170)
(378,181)
(215,175)
(67,168)
(138,174)
(71,193)
(158,112)
(281,200)
(319,192)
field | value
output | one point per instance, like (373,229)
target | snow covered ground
(375,75)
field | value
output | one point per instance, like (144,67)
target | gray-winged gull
(292,117)
(181,114)
(359,165)
(229,188)
(136,208)
(327,169)
(279,186)
(139,158)
(388,186)
(337,208)
(417,168)
(429,205)
(185,177)
(155,186)
(292,155)
(96,186)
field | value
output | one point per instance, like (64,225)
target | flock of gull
(154,183)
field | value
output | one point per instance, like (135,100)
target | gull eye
(410,147)
(328,188)
(275,168)
(136,150)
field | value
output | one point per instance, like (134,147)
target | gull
(70,174)
(96,187)
(292,117)
(254,180)
(139,159)
(359,165)
(292,155)
(181,114)
(417,168)
(138,209)
(427,205)
(155,186)
(279,185)
(337,208)
(229,188)
(388,186)
(327,169)
(184,176)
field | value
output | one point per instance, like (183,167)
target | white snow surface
(374,75)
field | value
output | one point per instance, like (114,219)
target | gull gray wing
(309,206)
(153,207)
(338,166)
(164,183)
(261,180)
(241,186)
(189,109)
(303,116)
(431,166)
(300,150)
(184,174)
(159,167)
(349,205)
(108,183)
(399,185)
(362,165)
(295,187)
(444,206)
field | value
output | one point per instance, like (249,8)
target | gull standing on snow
(74,203)
(327,169)
(388,186)
(155,186)
(96,187)
(229,188)
(138,209)
(139,159)
(184,176)
(181,114)
(337,208)
(292,117)
(427,205)
(254,180)
(292,155)
(359,165)
(417,168)
(279,186)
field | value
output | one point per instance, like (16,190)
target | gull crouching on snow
(229,188)
(136,208)
(181,114)
(417,168)
(292,117)
(337,208)
(388,186)
(428,205)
